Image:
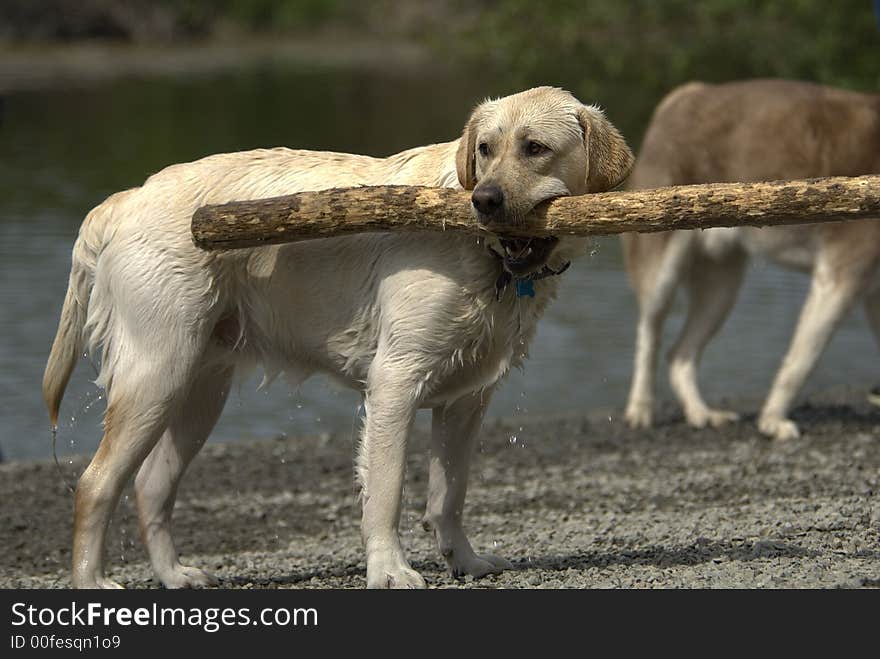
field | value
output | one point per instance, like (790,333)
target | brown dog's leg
(713,284)
(832,291)
(656,264)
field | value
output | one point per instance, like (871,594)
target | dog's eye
(484,149)
(535,148)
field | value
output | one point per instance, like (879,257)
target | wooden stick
(341,211)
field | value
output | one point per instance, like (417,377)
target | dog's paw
(183,576)
(639,415)
(392,574)
(98,583)
(109,584)
(709,418)
(461,564)
(778,428)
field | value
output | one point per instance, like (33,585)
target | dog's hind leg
(453,430)
(158,478)
(713,284)
(391,402)
(655,281)
(140,402)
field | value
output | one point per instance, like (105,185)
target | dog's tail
(68,344)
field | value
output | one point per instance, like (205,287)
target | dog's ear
(465,156)
(609,158)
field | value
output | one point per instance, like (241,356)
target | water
(62,152)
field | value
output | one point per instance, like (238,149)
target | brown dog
(750,131)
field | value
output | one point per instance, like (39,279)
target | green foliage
(644,45)
(618,50)
(660,44)
(283,14)
(609,49)
(262,15)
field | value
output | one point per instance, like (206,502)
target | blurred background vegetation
(654,43)
(606,49)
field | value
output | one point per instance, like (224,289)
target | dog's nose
(488,199)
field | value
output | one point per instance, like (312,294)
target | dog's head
(526,148)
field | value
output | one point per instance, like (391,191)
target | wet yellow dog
(409,320)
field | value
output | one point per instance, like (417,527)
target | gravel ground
(573,500)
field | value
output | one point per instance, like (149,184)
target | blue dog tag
(525,288)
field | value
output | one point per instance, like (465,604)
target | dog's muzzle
(521,256)
(488,202)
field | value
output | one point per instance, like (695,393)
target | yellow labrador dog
(411,321)
(751,131)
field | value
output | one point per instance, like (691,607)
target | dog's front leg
(390,409)
(832,292)
(454,428)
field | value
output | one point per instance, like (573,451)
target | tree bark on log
(340,211)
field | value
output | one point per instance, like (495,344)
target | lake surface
(62,152)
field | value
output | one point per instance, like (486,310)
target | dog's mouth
(524,256)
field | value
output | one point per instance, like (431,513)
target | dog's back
(758,130)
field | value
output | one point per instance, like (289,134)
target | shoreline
(574,501)
(38,67)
